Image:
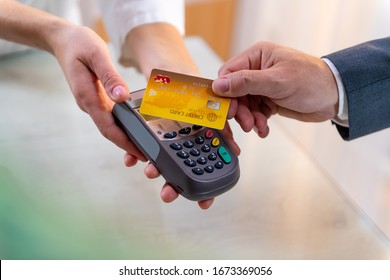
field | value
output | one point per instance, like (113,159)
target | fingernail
(118,91)
(221,85)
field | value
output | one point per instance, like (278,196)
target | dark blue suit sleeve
(365,72)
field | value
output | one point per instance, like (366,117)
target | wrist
(342,109)
(159,45)
(55,33)
(335,89)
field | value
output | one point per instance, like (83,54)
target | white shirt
(64,9)
(120,16)
(342,115)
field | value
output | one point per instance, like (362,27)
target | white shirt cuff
(342,115)
(121,16)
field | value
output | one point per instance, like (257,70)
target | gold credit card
(184,98)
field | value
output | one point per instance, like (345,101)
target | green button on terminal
(224,154)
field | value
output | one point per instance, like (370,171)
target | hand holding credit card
(184,98)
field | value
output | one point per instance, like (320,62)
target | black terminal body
(195,160)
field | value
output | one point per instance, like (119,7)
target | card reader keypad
(195,160)
(205,153)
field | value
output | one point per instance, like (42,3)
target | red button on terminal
(209,134)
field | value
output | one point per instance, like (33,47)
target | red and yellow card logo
(162,79)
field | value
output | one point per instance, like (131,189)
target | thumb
(234,84)
(243,82)
(112,82)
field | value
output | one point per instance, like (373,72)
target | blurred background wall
(315,26)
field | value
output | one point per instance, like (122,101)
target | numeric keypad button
(206,148)
(183,154)
(202,160)
(195,152)
(218,164)
(212,156)
(190,162)
(198,171)
(170,134)
(185,131)
(209,169)
(188,144)
(176,146)
(199,140)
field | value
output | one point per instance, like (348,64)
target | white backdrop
(314,26)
